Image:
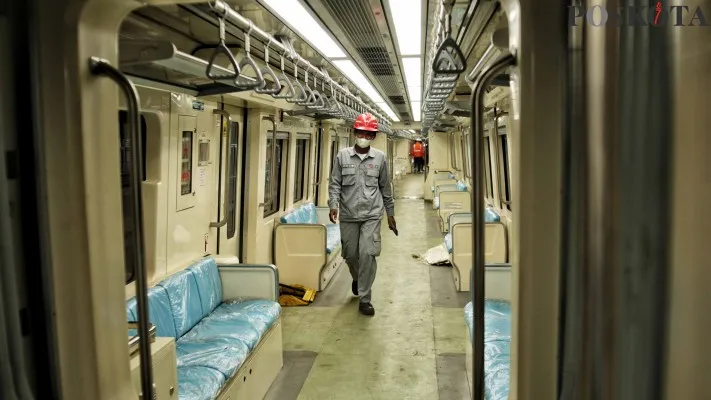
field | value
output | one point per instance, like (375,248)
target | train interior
(166,175)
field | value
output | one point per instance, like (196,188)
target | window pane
(334,150)
(505,166)
(231,207)
(268,198)
(301,145)
(281,152)
(186,165)
(487,165)
(129,229)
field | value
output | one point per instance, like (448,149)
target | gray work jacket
(360,187)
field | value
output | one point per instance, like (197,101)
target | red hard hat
(366,122)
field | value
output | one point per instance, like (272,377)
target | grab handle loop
(247,61)
(269,72)
(222,48)
(303,96)
(284,82)
(307,90)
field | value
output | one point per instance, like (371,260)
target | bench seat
(199,383)
(497,345)
(307,247)
(214,334)
(490,216)
(458,242)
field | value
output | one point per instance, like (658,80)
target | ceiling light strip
(300,20)
(407,18)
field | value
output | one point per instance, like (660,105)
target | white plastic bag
(437,255)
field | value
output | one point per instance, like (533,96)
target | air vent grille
(358,23)
(377,60)
(397,99)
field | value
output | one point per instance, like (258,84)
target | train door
(226,222)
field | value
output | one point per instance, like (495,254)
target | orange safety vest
(417,150)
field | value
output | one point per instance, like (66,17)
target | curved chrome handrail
(100,66)
(477,206)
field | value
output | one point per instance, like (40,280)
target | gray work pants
(360,243)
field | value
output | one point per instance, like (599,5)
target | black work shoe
(354,288)
(366,309)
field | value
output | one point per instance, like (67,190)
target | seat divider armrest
(253,281)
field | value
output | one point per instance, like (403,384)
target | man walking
(360,189)
(418,154)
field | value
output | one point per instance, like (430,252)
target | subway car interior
(529,182)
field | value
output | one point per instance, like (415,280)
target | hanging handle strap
(303,95)
(284,82)
(267,71)
(221,48)
(247,61)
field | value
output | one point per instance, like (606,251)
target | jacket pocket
(377,244)
(348,176)
(372,177)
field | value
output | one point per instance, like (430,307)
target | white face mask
(363,142)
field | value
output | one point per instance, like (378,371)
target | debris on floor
(295,295)
(437,255)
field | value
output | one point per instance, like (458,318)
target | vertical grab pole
(230,160)
(477,128)
(100,66)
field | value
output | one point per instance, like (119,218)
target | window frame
(504,166)
(233,131)
(488,170)
(300,192)
(466,162)
(127,210)
(276,188)
(453,153)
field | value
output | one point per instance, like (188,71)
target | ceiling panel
(363,30)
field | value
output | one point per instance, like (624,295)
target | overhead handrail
(230,160)
(222,48)
(268,71)
(477,206)
(221,8)
(99,66)
(247,61)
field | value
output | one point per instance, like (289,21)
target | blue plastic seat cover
(261,314)
(333,237)
(436,202)
(184,298)
(159,312)
(241,329)
(222,353)
(199,383)
(209,285)
(448,242)
(490,215)
(497,344)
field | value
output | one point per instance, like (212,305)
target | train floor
(414,346)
